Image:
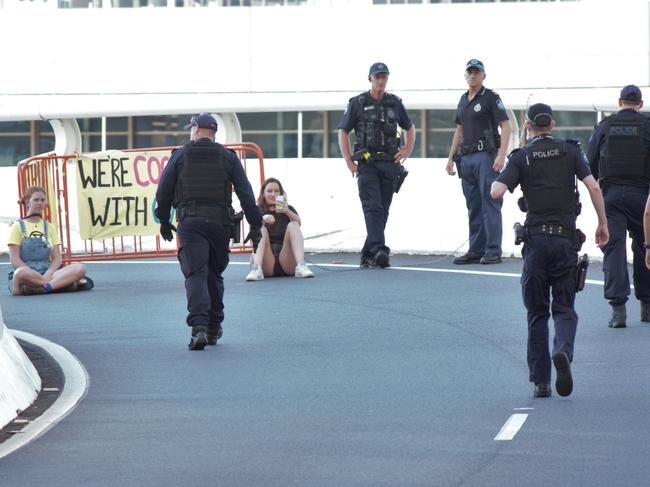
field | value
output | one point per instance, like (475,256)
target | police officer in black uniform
(197,181)
(480,152)
(378,155)
(619,156)
(546,168)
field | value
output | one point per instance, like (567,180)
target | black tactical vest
(624,153)
(376,128)
(203,179)
(550,187)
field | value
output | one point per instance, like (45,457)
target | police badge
(477,107)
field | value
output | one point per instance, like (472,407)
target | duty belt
(212,212)
(478,146)
(553,230)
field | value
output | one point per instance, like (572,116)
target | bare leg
(25,275)
(293,249)
(264,255)
(67,275)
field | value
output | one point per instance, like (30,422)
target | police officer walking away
(197,182)
(618,153)
(378,156)
(480,152)
(546,168)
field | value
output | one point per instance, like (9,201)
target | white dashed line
(511,428)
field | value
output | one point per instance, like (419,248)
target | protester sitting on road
(35,253)
(281,251)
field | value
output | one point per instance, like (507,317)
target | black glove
(166,230)
(254,235)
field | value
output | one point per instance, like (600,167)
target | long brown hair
(29,192)
(261,201)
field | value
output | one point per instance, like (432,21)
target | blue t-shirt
(483,112)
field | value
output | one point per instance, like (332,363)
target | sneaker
(85,284)
(256,274)
(542,390)
(382,259)
(367,261)
(303,271)
(645,312)
(564,380)
(199,338)
(490,259)
(468,258)
(619,315)
(213,334)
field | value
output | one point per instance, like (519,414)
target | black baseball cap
(631,93)
(203,121)
(475,63)
(540,115)
(378,68)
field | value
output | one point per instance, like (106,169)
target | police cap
(379,68)
(203,121)
(631,93)
(476,64)
(540,115)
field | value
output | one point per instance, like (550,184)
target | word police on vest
(629,131)
(545,154)
(540,115)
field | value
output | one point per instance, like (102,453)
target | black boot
(199,338)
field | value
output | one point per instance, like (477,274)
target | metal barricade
(51,172)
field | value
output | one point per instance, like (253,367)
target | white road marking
(75,388)
(511,428)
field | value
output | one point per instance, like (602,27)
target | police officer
(480,152)
(619,156)
(546,168)
(378,155)
(197,182)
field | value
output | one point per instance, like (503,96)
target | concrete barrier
(19,381)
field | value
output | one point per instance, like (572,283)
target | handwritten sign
(116,193)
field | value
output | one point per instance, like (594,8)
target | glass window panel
(267,142)
(117,124)
(312,145)
(441,119)
(116,142)
(438,144)
(333,144)
(312,121)
(90,124)
(575,119)
(14,148)
(417,149)
(15,127)
(143,141)
(258,121)
(44,127)
(45,144)
(162,123)
(581,134)
(91,143)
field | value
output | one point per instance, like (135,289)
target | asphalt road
(392,377)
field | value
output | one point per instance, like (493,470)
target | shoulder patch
(500,104)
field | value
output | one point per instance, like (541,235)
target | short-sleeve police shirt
(353,113)
(483,112)
(516,172)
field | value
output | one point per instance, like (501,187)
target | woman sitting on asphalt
(35,253)
(281,252)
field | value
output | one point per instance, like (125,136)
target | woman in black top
(281,251)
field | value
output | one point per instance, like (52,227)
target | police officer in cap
(197,181)
(480,152)
(619,156)
(546,168)
(378,155)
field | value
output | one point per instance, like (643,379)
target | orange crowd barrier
(51,172)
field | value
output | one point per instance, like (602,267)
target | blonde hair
(29,192)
